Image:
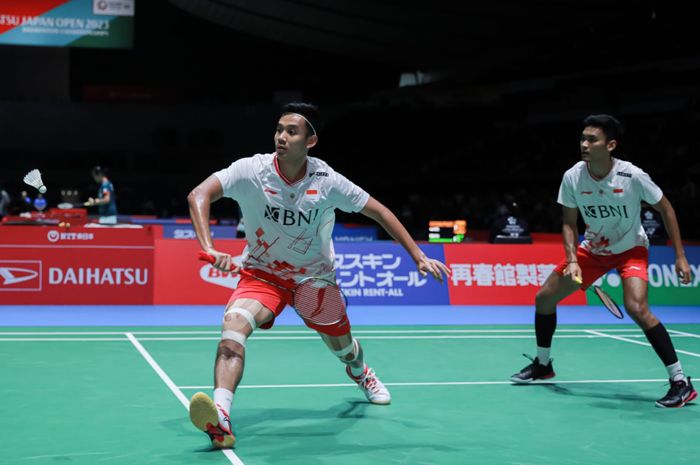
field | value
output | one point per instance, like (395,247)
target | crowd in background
(423,162)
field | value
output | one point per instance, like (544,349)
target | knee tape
(235,335)
(352,348)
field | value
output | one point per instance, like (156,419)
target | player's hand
(435,267)
(683,270)
(90,202)
(224,261)
(574,272)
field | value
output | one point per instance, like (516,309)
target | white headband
(307,122)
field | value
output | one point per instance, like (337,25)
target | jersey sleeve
(346,195)
(649,191)
(566,192)
(234,178)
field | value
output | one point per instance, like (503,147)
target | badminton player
(288,200)
(608,192)
(105,201)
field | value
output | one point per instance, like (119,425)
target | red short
(632,263)
(277,299)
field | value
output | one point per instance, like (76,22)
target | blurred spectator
(105,200)
(5,200)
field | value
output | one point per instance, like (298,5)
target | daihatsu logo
(20,275)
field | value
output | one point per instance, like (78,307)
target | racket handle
(578,280)
(205,257)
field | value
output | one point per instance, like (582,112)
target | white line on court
(641,343)
(233,458)
(436,383)
(683,333)
(275,331)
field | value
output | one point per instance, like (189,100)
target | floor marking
(233,458)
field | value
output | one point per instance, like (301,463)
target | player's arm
(199,201)
(674,233)
(391,224)
(569,232)
(106,198)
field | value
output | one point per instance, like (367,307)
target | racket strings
(319,303)
(609,303)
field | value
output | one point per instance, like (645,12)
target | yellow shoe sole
(204,417)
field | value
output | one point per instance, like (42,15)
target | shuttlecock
(33,178)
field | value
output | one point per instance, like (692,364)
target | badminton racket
(68,205)
(316,300)
(605,298)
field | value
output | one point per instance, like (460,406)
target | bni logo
(20,275)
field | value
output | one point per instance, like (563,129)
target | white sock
(224,398)
(357,372)
(543,355)
(675,371)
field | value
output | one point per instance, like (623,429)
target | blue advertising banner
(383,273)
(186,231)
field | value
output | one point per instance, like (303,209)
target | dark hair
(308,111)
(98,171)
(610,126)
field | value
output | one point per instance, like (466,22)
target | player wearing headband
(288,200)
(608,192)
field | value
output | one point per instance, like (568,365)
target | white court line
(274,332)
(365,338)
(683,333)
(593,335)
(233,458)
(624,339)
(437,383)
(60,339)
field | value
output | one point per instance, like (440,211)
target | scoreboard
(447,230)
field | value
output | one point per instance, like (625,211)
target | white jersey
(610,206)
(289,226)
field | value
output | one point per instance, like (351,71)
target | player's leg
(555,288)
(338,338)
(242,317)
(637,306)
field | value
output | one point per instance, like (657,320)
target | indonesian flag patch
(312,194)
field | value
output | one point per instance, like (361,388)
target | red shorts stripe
(632,263)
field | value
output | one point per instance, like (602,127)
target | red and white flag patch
(312,194)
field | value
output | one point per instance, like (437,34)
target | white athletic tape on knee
(245,314)
(353,347)
(234,336)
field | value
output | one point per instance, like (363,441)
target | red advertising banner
(183,279)
(502,274)
(50,265)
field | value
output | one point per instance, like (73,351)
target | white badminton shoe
(204,415)
(371,386)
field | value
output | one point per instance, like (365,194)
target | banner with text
(45,265)
(67,23)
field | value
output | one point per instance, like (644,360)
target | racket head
(609,303)
(319,301)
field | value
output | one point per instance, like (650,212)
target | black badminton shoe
(680,393)
(533,371)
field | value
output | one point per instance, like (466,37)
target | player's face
(594,145)
(291,140)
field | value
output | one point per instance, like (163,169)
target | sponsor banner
(183,279)
(354,233)
(41,265)
(368,273)
(67,23)
(664,285)
(184,231)
(383,273)
(502,274)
